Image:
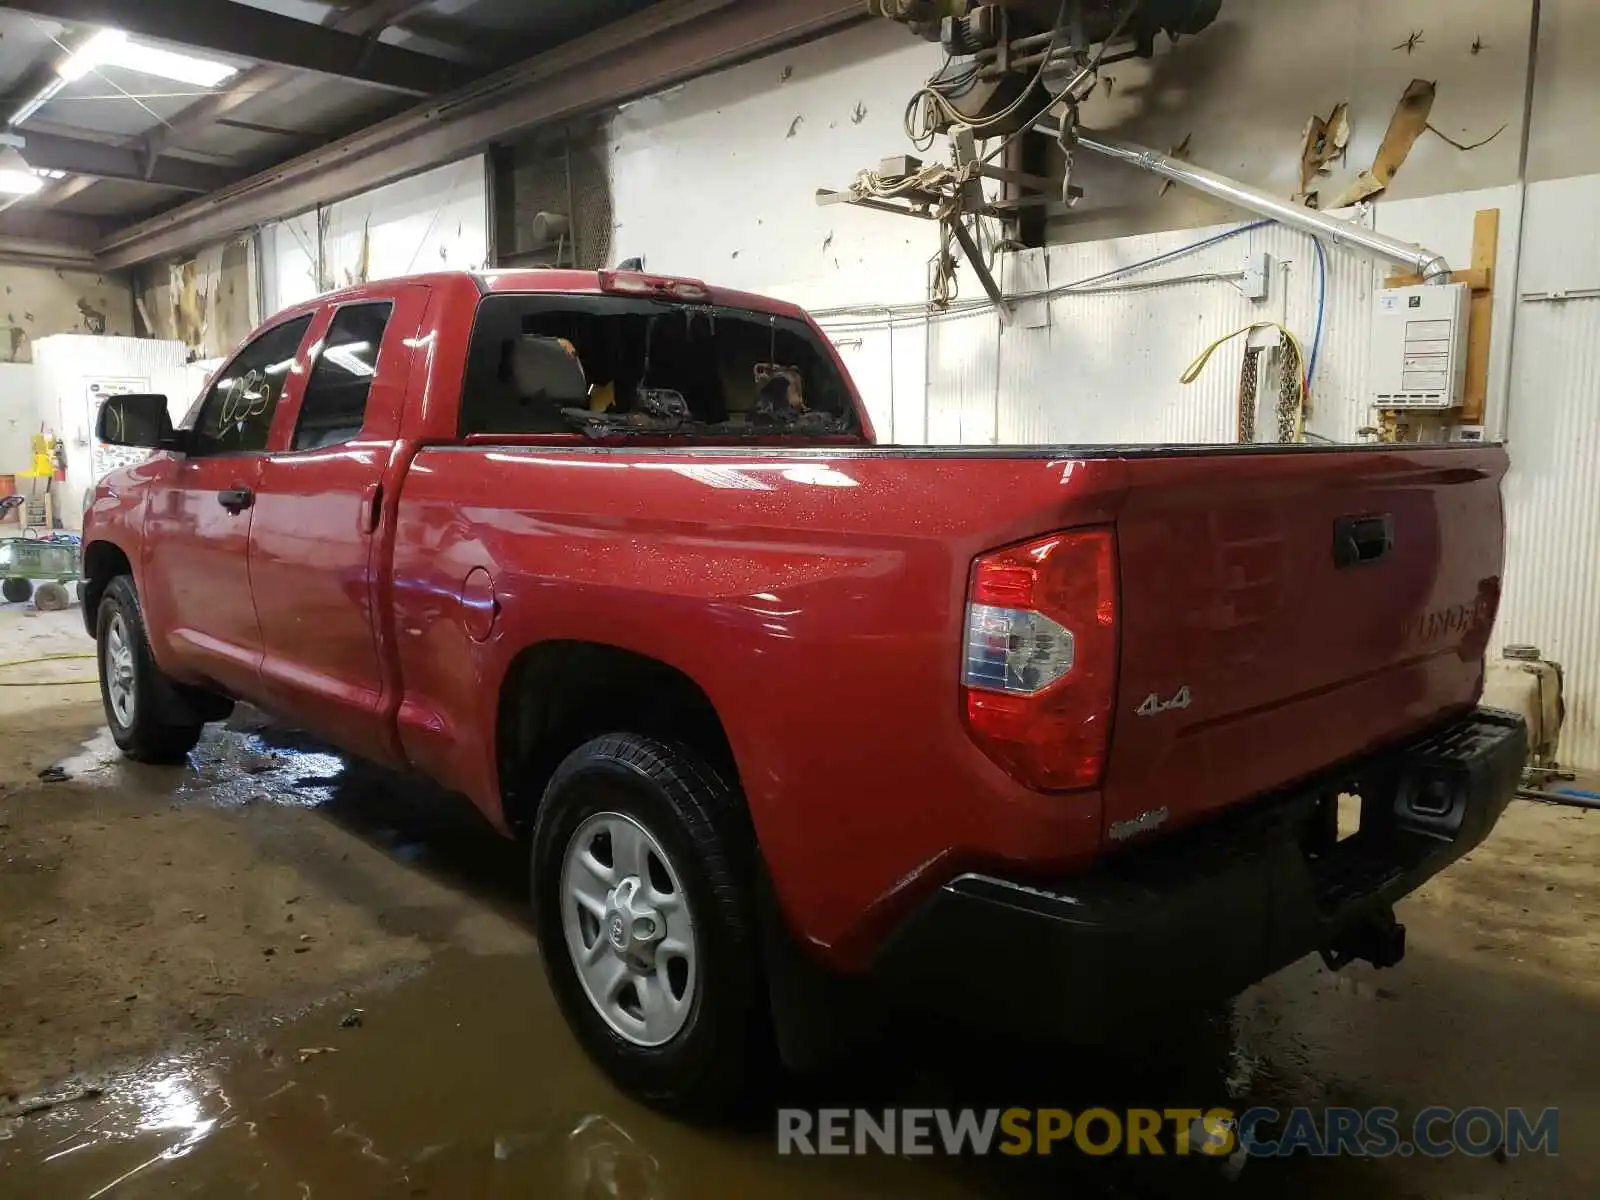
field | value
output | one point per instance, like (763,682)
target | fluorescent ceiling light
(17,178)
(112,48)
(19,183)
(44,95)
(90,55)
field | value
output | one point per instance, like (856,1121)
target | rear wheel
(16,591)
(646,919)
(146,713)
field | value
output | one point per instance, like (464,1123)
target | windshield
(551,363)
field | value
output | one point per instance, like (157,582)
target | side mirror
(138,419)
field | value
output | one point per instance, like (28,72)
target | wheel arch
(103,561)
(557,695)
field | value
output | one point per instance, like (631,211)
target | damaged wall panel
(207,302)
(36,302)
(1242,92)
(436,221)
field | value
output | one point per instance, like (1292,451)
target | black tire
(16,591)
(711,1067)
(52,597)
(161,728)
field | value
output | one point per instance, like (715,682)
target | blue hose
(1322,309)
(1579,792)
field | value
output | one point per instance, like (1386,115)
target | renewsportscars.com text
(1434,1132)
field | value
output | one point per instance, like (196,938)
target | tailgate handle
(1358,540)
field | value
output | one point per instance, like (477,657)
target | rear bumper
(1198,916)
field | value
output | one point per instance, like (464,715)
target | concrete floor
(190,939)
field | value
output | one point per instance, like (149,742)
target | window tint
(554,363)
(237,412)
(335,402)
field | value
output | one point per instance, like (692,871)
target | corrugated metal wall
(1552,593)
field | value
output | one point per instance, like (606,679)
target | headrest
(545,368)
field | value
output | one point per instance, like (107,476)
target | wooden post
(1480,330)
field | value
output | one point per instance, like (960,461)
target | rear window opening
(546,363)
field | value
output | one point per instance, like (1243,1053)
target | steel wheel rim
(628,929)
(117,663)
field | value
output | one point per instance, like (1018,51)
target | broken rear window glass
(549,363)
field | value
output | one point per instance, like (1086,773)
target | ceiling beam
(79,156)
(662,45)
(59,191)
(368,20)
(239,30)
(47,239)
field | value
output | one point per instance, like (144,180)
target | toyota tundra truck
(1050,737)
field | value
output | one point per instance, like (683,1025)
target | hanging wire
(930,97)
(1090,71)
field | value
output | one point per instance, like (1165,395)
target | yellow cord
(1199,365)
(45,658)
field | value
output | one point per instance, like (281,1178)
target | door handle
(236,499)
(1358,540)
(371,507)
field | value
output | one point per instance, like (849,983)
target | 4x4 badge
(1154,705)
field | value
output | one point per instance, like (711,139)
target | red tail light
(1041,658)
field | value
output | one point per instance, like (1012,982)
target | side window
(237,413)
(335,403)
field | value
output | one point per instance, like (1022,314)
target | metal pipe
(1563,798)
(1429,264)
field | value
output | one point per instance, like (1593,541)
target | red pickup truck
(1052,736)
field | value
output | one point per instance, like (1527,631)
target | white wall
(1242,91)
(18,417)
(36,302)
(435,221)
(716,179)
(64,368)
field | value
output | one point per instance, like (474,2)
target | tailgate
(1283,612)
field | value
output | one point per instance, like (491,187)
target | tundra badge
(1154,705)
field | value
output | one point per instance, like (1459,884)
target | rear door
(1284,612)
(320,504)
(196,574)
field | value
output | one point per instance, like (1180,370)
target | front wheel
(147,719)
(642,866)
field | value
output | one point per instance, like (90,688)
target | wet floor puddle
(461,1084)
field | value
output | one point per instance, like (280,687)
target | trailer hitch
(1379,940)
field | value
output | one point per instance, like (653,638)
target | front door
(195,576)
(318,518)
